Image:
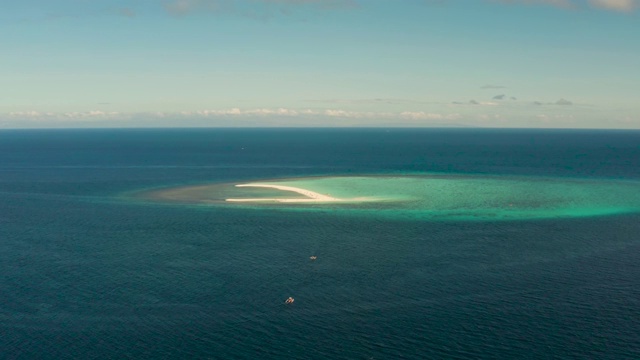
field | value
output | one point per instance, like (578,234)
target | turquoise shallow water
(436,196)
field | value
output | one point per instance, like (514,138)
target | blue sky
(489,63)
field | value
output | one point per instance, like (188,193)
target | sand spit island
(311,196)
(263,193)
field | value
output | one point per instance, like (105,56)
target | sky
(310,63)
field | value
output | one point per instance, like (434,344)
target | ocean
(92,268)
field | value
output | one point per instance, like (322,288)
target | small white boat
(289,300)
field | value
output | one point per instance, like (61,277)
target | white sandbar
(312,196)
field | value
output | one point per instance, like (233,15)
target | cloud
(475,103)
(232,117)
(504,97)
(248,112)
(231,112)
(615,5)
(64,115)
(333,113)
(27,114)
(483,103)
(563,102)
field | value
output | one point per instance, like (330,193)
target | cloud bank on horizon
(495,63)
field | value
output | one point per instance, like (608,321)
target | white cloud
(475,102)
(231,113)
(26,114)
(615,5)
(64,115)
(331,113)
(240,112)
(560,102)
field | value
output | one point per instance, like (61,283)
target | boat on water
(289,300)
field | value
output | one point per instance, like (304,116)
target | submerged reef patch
(424,197)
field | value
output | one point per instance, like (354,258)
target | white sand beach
(312,196)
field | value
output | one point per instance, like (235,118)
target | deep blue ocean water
(89,272)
